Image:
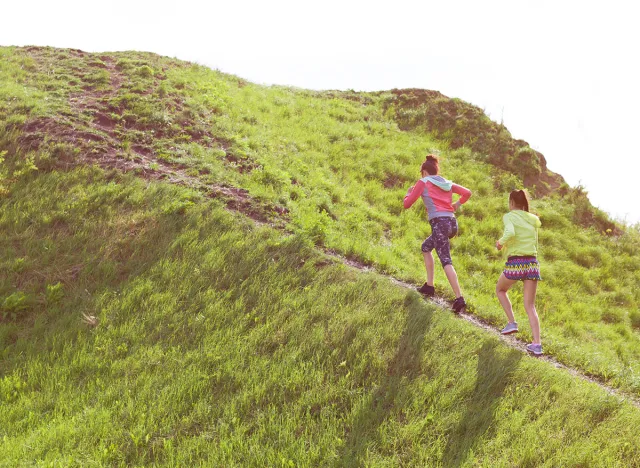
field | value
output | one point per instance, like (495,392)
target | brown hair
(520,199)
(431,165)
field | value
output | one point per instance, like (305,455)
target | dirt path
(510,340)
(92,127)
(146,163)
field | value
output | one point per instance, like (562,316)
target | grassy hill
(215,341)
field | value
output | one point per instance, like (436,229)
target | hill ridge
(213,337)
(239,200)
(105,123)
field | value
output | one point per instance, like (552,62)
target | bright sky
(563,75)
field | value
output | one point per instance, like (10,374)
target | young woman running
(520,241)
(437,193)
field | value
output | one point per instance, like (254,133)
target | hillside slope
(331,168)
(334,166)
(220,344)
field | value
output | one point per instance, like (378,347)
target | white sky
(563,75)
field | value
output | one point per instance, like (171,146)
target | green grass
(340,165)
(223,344)
(216,334)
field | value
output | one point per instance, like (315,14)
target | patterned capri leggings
(442,229)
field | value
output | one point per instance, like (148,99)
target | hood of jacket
(527,217)
(439,182)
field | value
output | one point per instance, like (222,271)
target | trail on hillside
(144,163)
(138,159)
(510,340)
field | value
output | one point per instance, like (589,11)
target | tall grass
(223,344)
(340,166)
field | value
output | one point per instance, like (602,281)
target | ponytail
(520,199)
(431,165)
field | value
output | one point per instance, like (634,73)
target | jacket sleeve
(414,194)
(509,230)
(464,192)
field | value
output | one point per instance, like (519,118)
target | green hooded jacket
(520,235)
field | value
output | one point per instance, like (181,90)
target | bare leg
(504,284)
(452,276)
(429,265)
(530,288)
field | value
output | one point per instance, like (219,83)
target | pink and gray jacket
(437,193)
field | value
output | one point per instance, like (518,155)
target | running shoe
(511,327)
(535,349)
(459,305)
(426,290)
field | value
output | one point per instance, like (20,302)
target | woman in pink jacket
(437,195)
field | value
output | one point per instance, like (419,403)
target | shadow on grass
(493,375)
(403,367)
(93,273)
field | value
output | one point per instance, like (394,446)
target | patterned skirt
(522,268)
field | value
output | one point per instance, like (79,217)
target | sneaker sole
(533,353)
(509,332)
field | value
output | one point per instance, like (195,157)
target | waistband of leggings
(441,214)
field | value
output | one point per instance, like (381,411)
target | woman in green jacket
(520,242)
